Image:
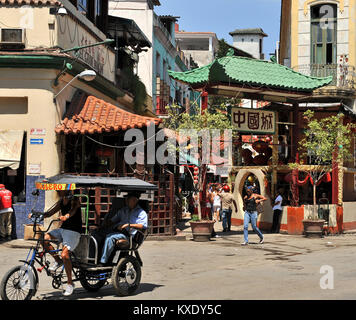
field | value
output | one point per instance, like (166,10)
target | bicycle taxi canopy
(73,182)
(122,185)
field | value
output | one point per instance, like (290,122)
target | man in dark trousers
(227,199)
(277,211)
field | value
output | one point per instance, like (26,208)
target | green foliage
(140,94)
(322,136)
(198,125)
(210,120)
(326,141)
(195,217)
(223,49)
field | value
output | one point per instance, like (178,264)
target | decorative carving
(308,3)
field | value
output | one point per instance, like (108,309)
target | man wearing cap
(125,223)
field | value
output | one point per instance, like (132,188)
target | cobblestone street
(284,267)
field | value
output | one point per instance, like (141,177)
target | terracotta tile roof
(31,2)
(99,116)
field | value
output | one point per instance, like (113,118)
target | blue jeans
(226,218)
(251,217)
(109,245)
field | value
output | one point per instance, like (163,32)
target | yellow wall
(302,7)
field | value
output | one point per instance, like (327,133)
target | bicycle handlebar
(36,217)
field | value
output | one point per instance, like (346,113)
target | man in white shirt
(125,223)
(277,211)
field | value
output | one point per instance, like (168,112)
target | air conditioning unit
(12,38)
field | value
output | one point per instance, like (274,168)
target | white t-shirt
(217,200)
(278,206)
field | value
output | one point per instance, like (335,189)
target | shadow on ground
(105,292)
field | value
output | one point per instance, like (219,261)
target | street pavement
(285,267)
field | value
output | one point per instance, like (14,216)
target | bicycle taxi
(124,267)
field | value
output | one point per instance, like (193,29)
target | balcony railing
(344,76)
(158,24)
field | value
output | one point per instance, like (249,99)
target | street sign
(253,121)
(38,131)
(36,141)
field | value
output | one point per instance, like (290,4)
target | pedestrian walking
(216,204)
(251,200)
(227,199)
(277,211)
(6,212)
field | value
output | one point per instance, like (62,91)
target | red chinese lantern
(196,175)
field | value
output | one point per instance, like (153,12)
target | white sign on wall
(38,131)
(34,168)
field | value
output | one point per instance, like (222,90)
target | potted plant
(201,135)
(327,144)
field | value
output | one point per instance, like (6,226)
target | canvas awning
(10,148)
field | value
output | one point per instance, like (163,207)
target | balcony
(344,76)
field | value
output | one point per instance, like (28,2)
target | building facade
(39,81)
(249,40)
(318,38)
(200,46)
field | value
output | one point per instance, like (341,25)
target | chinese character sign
(253,120)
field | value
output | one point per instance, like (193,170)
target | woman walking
(250,207)
(216,204)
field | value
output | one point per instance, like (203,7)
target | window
(158,65)
(83,6)
(323,34)
(98,12)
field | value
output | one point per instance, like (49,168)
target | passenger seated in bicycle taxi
(68,234)
(125,223)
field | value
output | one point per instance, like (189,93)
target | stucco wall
(43,30)
(349,212)
(252,47)
(301,39)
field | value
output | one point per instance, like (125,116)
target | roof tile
(246,71)
(97,116)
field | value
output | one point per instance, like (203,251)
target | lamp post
(87,75)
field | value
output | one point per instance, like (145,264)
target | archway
(265,219)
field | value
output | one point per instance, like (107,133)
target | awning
(127,29)
(187,159)
(10,148)
(72,182)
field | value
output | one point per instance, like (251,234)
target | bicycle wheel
(19,283)
(90,282)
(126,276)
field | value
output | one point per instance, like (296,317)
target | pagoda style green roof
(242,71)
